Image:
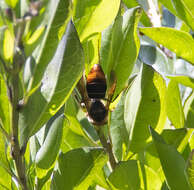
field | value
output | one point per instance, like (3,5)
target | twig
(154,14)
(15,148)
(107,146)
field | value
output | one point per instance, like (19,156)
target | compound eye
(97,111)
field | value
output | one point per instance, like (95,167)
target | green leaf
(12,3)
(2,31)
(177,137)
(71,107)
(182,9)
(79,168)
(152,55)
(189,111)
(92,17)
(169,6)
(41,181)
(189,5)
(191,142)
(34,147)
(144,18)
(184,80)
(174,107)
(56,22)
(117,41)
(149,178)
(144,106)
(132,174)
(125,176)
(174,136)
(177,41)
(96,175)
(5,179)
(28,71)
(151,159)
(185,11)
(190,168)
(91,52)
(32,41)
(172,163)
(3,152)
(4,106)
(48,152)
(59,80)
(8,44)
(73,136)
(34,37)
(118,131)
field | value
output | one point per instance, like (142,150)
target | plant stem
(15,148)
(108,147)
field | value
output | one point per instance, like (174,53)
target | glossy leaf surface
(91,17)
(120,47)
(4,106)
(56,21)
(184,80)
(190,168)
(178,41)
(175,111)
(119,133)
(188,111)
(63,72)
(144,106)
(172,163)
(48,152)
(129,175)
(79,168)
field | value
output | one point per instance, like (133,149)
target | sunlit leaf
(78,169)
(73,136)
(177,41)
(126,176)
(129,175)
(144,106)
(48,152)
(8,44)
(182,9)
(118,129)
(4,106)
(174,107)
(189,111)
(5,179)
(190,168)
(185,11)
(11,3)
(120,47)
(144,18)
(184,80)
(91,17)
(59,80)
(172,163)
(56,21)
(30,43)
